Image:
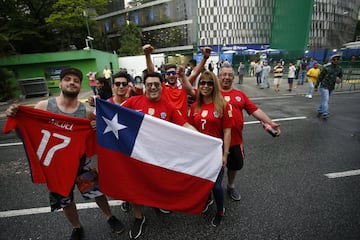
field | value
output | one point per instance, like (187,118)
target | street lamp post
(89,38)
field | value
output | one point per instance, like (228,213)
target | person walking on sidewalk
(291,75)
(67,103)
(302,72)
(278,73)
(258,71)
(239,102)
(329,76)
(266,69)
(92,81)
(241,71)
(312,75)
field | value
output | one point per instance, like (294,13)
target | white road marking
(343,174)
(278,120)
(10,144)
(31,211)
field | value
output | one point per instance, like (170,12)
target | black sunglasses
(121,83)
(171,73)
(149,85)
(208,83)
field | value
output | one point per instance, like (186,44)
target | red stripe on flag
(125,178)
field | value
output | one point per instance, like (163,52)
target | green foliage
(7,90)
(33,26)
(130,40)
(23,28)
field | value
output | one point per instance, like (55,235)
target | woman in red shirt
(212,115)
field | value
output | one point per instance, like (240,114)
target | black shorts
(235,160)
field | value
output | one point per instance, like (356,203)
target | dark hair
(71,70)
(121,75)
(153,74)
(170,65)
(192,61)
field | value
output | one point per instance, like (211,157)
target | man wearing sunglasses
(329,75)
(152,103)
(175,90)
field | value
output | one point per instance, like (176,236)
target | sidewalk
(249,87)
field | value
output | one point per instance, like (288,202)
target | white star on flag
(113,125)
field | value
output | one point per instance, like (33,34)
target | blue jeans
(311,88)
(258,77)
(265,81)
(219,192)
(324,105)
(302,77)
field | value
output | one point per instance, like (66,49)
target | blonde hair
(216,96)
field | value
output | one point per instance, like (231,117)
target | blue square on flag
(114,124)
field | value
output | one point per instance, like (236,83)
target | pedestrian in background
(312,75)
(107,74)
(302,72)
(258,71)
(291,75)
(241,71)
(92,81)
(266,69)
(330,75)
(278,73)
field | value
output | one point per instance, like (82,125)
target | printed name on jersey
(64,125)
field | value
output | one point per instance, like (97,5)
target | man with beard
(67,103)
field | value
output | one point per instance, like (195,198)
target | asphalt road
(285,193)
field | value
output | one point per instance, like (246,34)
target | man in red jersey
(239,102)
(152,103)
(174,89)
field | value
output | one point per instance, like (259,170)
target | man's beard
(68,94)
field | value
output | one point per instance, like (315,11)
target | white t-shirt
(292,70)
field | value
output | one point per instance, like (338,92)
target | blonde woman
(211,115)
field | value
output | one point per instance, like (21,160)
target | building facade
(333,23)
(237,25)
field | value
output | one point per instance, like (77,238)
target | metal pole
(85,13)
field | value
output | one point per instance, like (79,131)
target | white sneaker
(306,95)
(310,96)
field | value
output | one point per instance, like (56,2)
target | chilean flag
(149,161)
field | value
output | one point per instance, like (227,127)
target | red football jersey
(161,109)
(238,101)
(207,120)
(54,144)
(177,96)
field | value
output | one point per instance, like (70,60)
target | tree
(23,28)
(71,20)
(130,40)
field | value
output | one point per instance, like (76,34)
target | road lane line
(277,120)
(10,144)
(343,174)
(31,211)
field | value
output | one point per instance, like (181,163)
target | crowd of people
(198,100)
(311,72)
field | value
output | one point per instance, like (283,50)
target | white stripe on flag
(177,148)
